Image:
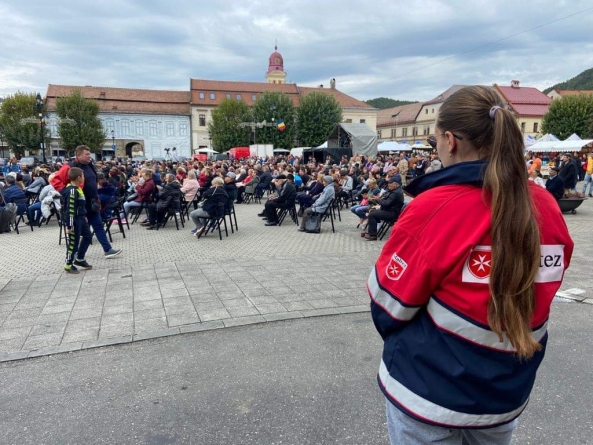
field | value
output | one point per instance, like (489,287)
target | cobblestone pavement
(168,282)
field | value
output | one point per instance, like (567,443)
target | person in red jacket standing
(463,314)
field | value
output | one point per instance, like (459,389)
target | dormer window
(201,95)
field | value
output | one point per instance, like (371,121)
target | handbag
(95,205)
(313,223)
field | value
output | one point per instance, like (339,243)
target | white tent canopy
(548,138)
(404,146)
(573,137)
(528,141)
(568,145)
(297,151)
(206,150)
(388,146)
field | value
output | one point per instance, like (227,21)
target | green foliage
(86,128)
(271,107)
(318,114)
(568,115)
(224,128)
(383,103)
(18,135)
(583,81)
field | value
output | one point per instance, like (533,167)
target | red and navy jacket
(442,364)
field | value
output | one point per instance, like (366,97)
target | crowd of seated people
(357,182)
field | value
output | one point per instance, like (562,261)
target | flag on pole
(281,125)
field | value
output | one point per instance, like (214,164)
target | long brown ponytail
(515,234)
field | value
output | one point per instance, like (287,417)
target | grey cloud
(373,48)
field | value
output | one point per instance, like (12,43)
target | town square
(290,240)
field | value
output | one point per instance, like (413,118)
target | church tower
(275,73)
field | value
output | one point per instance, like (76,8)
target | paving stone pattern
(168,282)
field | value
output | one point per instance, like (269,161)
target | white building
(137,122)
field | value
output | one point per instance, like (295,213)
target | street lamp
(273,110)
(39,103)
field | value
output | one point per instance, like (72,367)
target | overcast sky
(372,48)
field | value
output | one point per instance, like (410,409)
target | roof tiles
(403,114)
(125,100)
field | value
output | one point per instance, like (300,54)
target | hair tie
(493,111)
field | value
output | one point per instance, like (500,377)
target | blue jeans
(588,182)
(95,221)
(34,213)
(403,430)
(360,211)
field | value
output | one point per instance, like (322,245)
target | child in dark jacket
(75,223)
(107,194)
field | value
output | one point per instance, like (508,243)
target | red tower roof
(276,61)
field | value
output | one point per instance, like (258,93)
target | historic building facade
(206,95)
(415,122)
(137,122)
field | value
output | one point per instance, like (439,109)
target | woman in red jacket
(145,189)
(461,292)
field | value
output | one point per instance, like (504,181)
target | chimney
(515,83)
(332,84)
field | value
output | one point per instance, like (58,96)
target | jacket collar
(471,173)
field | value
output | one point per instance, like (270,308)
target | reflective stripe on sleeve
(433,413)
(459,326)
(388,302)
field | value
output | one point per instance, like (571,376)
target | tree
(568,115)
(273,107)
(19,135)
(86,128)
(224,128)
(318,115)
(383,103)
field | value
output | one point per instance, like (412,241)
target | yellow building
(206,95)
(528,104)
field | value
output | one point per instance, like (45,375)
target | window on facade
(426,111)
(109,127)
(183,129)
(405,132)
(414,131)
(433,111)
(125,128)
(393,133)
(228,95)
(153,129)
(535,127)
(139,128)
(254,97)
(522,127)
(363,121)
(238,97)
(379,133)
(202,120)
(348,121)
(201,95)
(212,96)
(170,128)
